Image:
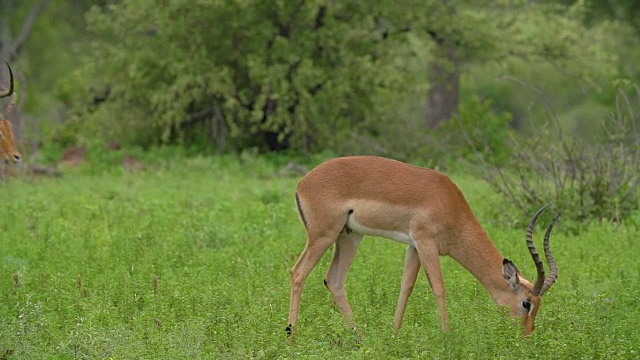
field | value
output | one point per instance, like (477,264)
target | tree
(465,33)
(301,74)
(12,45)
(267,74)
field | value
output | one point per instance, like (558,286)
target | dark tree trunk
(219,128)
(444,84)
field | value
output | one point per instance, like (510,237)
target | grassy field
(191,259)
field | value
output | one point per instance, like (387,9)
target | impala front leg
(409,276)
(430,259)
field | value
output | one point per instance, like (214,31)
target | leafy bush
(589,180)
(271,76)
(476,133)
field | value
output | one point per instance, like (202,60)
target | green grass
(191,260)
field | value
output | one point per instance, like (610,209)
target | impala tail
(300,212)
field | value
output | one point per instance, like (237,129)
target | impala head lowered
(528,296)
(8,149)
(345,199)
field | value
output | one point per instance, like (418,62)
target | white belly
(393,235)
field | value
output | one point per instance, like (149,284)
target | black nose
(17,157)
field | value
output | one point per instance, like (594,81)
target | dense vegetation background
(431,82)
(508,89)
(312,76)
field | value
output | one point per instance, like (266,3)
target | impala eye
(526,305)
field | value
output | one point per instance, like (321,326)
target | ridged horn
(534,253)
(553,266)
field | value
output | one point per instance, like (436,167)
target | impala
(344,199)
(8,149)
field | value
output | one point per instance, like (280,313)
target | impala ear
(510,273)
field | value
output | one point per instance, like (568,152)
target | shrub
(476,133)
(587,179)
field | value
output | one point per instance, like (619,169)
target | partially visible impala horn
(542,283)
(553,266)
(8,92)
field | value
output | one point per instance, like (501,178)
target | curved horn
(553,266)
(534,253)
(9,91)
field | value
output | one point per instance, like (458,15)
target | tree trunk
(219,128)
(444,84)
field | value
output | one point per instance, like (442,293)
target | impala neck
(479,255)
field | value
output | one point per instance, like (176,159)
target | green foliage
(476,131)
(247,74)
(625,11)
(160,264)
(594,179)
(305,76)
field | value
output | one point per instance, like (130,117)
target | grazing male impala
(344,199)
(8,149)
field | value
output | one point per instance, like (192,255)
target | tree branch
(27,26)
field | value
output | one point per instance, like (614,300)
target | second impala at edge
(346,198)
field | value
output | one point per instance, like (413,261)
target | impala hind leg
(343,255)
(312,253)
(430,260)
(409,276)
